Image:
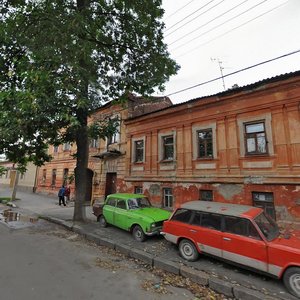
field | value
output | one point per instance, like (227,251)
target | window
(53,178)
(205,143)
(266,202)
(206,195)
(121,204)
(212,221)
(115,138)
(55,149)
(94,143)
(167,197)
(111,202)
(255,138)
(22,176)
(182,215)
(240,226)
(66,146)
(44,176)
(168,147)
(139,151)
(65,178)
(138,190)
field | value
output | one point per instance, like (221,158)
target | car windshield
(135,203)
(267,226)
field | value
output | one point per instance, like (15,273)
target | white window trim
(197,128)
(267,118)
(143,138)
(160,145)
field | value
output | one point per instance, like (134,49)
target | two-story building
(239,146)
(106,168)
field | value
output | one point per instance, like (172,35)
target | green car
(131,212)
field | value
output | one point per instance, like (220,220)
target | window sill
(205,159)
(167,161)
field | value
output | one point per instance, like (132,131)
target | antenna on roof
(221,69)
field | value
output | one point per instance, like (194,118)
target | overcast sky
(204,35)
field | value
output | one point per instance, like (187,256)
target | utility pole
(221,69)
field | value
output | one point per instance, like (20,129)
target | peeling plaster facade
(231,174)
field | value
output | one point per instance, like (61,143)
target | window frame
(267,205)
(205,191)
(205,142)
(139,151)
(116,137)
(138,190)
(168,198)
(94,143)
(67,146)
(254,135)
(165,157)
(200,127)
(53,177)
(65,176)
(267,118)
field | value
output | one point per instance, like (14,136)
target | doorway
(111,183)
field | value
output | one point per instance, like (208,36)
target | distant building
(26,181)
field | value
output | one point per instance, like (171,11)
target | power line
(217,26)
(193,18)
(175,12)
(189,15)
(231,9)
(220,35)
(230,74)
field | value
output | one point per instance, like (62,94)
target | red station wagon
(237,233)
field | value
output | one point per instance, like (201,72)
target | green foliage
(62,59)
(2,170)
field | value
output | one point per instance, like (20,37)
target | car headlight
(153,225)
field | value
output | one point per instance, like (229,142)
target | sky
(206,37)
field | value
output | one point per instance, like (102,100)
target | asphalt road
(44,261)
(157,246)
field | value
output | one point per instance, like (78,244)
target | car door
(109,209)
(241,243)
(121,216)
(207,231)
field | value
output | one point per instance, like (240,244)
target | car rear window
(182,215)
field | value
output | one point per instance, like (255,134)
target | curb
(197,276)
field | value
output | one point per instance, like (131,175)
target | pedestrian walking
(61,196)
(67,194)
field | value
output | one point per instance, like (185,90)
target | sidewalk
(156,251)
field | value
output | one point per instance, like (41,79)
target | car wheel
(291,280)
(188,250)
(102,221)
(138,233)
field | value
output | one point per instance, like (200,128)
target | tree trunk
(82,143)
(81,169)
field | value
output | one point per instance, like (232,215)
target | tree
(60,60)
